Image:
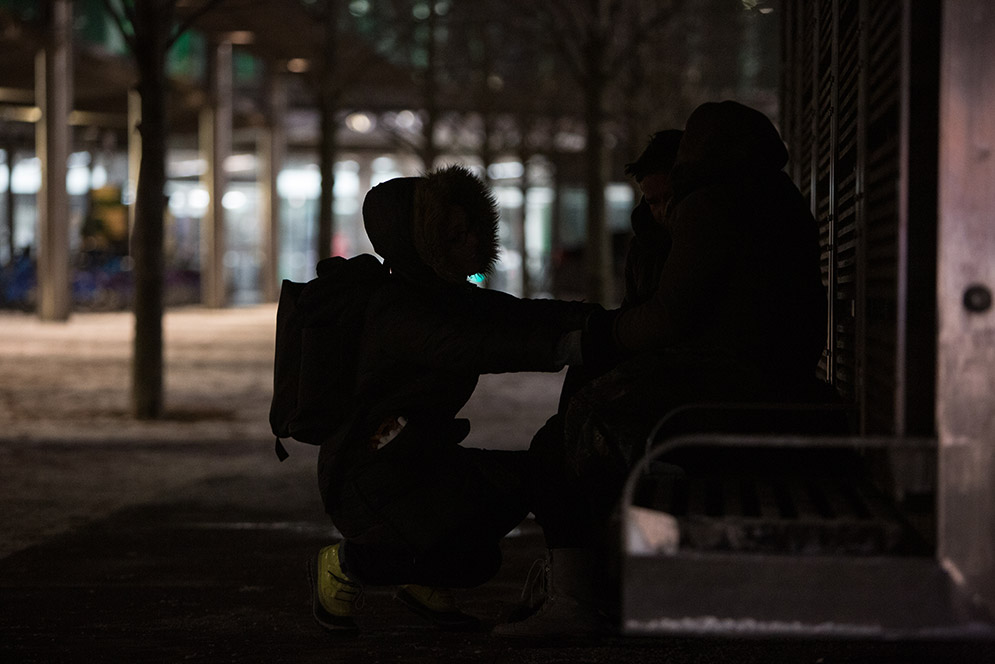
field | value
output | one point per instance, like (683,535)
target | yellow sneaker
(437,605)
(333,594)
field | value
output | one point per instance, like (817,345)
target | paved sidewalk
(185,540)
(70,453)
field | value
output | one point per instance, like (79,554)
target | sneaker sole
(330,622)
(450,620)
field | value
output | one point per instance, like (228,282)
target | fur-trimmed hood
(444,223)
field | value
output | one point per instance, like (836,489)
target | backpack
(318,330)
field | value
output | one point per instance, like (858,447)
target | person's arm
(491,333)
(696,272)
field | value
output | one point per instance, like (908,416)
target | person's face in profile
(656,190)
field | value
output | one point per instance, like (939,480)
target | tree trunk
(429,152)
(598,251)
(523,157)
(326,166)
(328,102)
(153,20)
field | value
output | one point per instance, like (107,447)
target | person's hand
(598,346)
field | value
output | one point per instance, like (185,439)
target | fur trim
(455,223)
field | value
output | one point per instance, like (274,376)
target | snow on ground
(70,452)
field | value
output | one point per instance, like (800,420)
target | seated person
(738,315)
(415,508)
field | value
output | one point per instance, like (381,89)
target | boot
(570,608)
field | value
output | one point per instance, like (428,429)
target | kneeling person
(415,508)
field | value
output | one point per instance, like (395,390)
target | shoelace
(536,582)
(347,591)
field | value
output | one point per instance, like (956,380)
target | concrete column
(53,92)
(365,161)
(134,153)
(965,284)
(8,203)
(215,147)
(272,150)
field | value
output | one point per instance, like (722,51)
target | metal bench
(776,531)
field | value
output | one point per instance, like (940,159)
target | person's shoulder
(709,205)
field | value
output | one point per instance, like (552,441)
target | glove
(599,350)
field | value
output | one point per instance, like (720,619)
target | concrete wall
(966,277)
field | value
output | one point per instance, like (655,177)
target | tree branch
(662,13)
(190,20)
(557,19)
(119,22)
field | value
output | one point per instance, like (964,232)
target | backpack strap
(281,451)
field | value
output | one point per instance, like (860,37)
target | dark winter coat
(646,255)
(426,340)
(742,278)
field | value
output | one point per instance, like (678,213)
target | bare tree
(595,40)
(327,107)
(346,61)
(150,29)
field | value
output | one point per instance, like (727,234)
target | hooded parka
(398,486)
(742,277)
(739,313)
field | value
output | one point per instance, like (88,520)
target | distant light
(298,184)
(78,159)
(241,37)
(346,183)
(508,197)
(505,170)
(406,119)
(26,178)
(359,122)
(619,193)
(495,82)
(509,259)
(298,65)
(185,168)
(382,164)
(234,200)
(766,10)
(198,199)
(359,7)
(240,163)
(178,202)
(442,7)
(421,11)
(98,178)
(77,180)
(570,141)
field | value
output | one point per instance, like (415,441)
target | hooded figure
(740,310)
(742,279)
(413,506)
(738,314)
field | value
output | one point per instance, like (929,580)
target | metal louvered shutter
(881,237)
(862,138)
(844,195)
